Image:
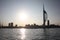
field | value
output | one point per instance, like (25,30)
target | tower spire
(44,15)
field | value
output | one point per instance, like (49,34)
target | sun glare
(22,16)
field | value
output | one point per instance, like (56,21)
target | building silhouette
(48,23)
(16,25)
(10,24)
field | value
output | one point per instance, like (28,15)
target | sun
(23,16)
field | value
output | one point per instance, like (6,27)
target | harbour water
(29,34)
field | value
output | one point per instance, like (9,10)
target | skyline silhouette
(31,11)
(44,25)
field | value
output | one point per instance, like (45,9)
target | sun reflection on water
(22,31)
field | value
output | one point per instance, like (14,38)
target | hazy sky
(10,11)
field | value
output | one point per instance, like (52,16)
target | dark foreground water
(30,34)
